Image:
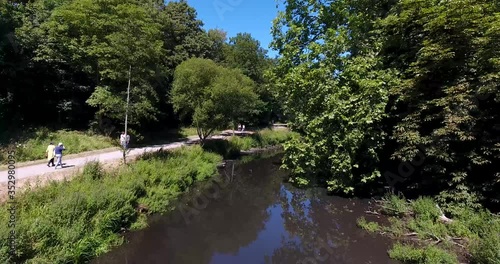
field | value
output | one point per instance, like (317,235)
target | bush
(427,255)
(425,209)
(487,249)
(395,205)
(368,226)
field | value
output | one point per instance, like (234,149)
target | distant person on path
(239,127)
(124,140)
(58,151)
(49,153)
(242,128)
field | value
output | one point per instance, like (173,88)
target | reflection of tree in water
(230,222)
(315,227)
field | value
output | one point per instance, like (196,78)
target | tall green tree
(102,40)
(218,40)
(244,52)
(334,89)
(448,54)
(213,95)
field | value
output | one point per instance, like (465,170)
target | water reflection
(257,219)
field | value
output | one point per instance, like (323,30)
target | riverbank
(423,234)
(76,220)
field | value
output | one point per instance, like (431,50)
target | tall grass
(74,221)
(32,145)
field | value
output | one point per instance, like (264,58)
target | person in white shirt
(124,140)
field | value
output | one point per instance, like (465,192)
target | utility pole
(126,114)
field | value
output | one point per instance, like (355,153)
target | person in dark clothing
(58,151)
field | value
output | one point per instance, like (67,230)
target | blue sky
(235,16)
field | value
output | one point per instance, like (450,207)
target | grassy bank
(74,221)
(424,236)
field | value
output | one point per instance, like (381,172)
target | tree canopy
(369,81)
(214,96)
(73,59)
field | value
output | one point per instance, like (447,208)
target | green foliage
(428,255)
(73,221)
(449,68)
(385,79)
(245,53)
(229,149)
(32,145)
(336,100)
(395,205)
(425,209)
(477,231)
(368,226)
(215,96)
(73,59)
(103,39)
(486,250)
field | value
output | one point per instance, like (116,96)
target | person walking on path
(49,153)
(124,140)
(58,152)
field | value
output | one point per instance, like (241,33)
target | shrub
(395,205)
(368,226)
(425,209)
(427,255)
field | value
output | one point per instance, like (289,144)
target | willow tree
(333,87)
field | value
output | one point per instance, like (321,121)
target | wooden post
(126,115)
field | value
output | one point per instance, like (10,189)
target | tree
(213,95)
(245,53)
(448,54)
(368,79)
(101,40)
(218,39)
(184,36)
(333,88)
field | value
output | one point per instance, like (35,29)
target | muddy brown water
(255,218)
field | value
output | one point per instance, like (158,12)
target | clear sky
(235,16)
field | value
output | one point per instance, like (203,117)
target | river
(256,218)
